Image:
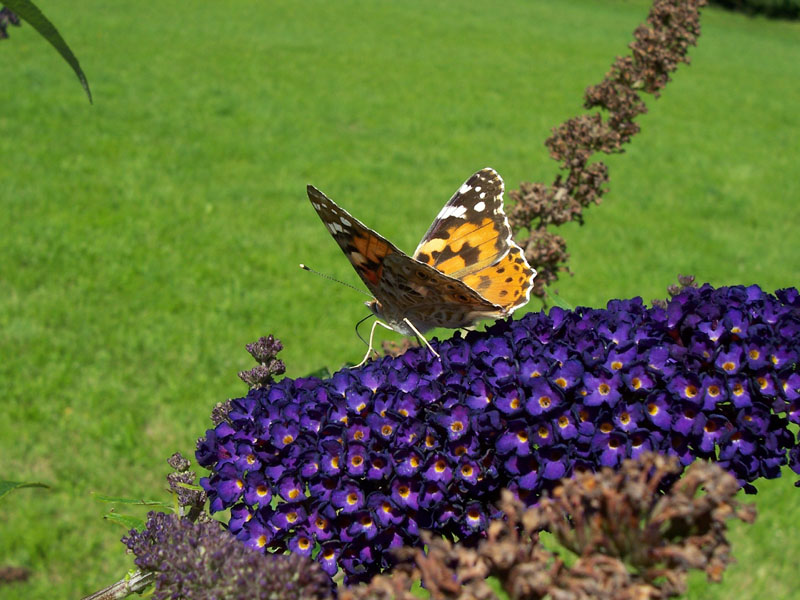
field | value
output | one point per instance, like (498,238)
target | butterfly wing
(471,231)
(365,249)
(429,298)
(507,283)
(470,240)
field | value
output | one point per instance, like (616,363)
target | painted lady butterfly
(466,268)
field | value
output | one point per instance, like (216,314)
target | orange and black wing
(470,240)
(365,249)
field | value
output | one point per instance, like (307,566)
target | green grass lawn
(146,239)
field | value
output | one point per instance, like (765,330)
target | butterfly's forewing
(471,232)
(364,248)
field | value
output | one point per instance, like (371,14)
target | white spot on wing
(483,195)
(465,187)
(334,228)
(345,222)
(456,211)
(480,206)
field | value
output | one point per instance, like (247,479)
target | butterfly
(466,267)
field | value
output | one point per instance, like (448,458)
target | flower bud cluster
(201,561)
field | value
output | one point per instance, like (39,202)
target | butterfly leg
(371,336)
(421,337)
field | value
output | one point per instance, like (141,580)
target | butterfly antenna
(352,287)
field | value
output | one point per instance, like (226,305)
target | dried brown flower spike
(635,533)
(655,537)
(660,45)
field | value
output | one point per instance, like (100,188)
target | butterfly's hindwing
(507,283)
(426,285)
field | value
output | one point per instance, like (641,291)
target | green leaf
(27,10)
(321,373)
(127,521)
(136,501)
(559,301)
(8,486)
(188,486)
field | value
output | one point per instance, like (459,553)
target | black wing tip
(314,192)
(488,174)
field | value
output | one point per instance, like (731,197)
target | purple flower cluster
(7,18)
(347,468)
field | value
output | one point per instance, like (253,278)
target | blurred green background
(146,239)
